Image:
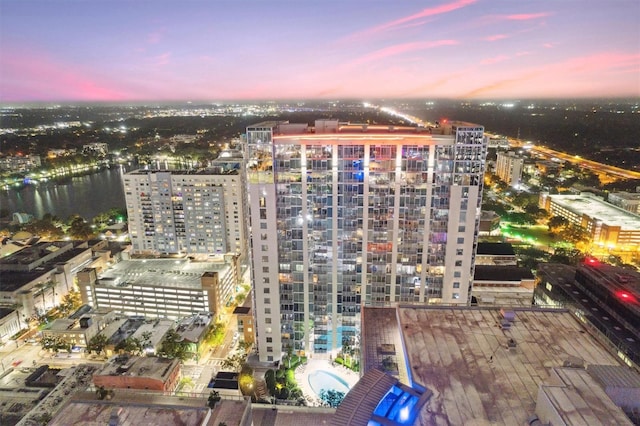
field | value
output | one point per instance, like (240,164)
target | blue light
(404,414)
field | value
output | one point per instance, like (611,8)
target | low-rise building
(194,330)
(489,223)
(35,278)
(245,319)
(130,372)
(152,332)
(503,285)
(10,324)
(79,331)
(496,254)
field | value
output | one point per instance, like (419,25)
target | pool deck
(303,371)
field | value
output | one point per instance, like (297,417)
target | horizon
(258,51)
(431,102)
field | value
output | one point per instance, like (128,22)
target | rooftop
(495,249)
(152,367)
(501,273)
(598,209)
(478,372)
(181,273)
(193,328)
(131,409)
(578,399)
(212,171)
(14,280)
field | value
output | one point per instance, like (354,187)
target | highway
(598,168)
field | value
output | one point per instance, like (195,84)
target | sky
(217,50)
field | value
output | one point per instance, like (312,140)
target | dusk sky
(143,50)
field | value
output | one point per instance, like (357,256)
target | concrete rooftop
(461,355)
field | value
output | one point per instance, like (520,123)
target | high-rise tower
(348,215)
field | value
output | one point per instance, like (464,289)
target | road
(594,166)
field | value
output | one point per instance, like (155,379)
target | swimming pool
(322,379)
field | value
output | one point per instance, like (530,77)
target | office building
(348,215)
(187,212)
(509,168)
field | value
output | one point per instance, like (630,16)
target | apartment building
(349,215)
(509,168)
(188,212)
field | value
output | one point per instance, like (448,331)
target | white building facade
(509,168)
(198,212)
(350,215)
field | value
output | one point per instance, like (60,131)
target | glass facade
(341,221)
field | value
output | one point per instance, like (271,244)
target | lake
(86,195)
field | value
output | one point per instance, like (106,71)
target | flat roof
(131,409)
(189,172)
(193,328)
(565,290)
(5,312)
(145,366)
(463,357)
(501,273)
(577,398)
(495,249)
(14,280)
(598,209)
(177,273)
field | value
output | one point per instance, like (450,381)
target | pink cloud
(494,60)
(36,76)
(496,37)
(591,74)
(431,11)
(549,45)
(525,16)
(401,48)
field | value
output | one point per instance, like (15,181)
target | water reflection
(84,195)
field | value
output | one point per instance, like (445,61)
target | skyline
(198,51)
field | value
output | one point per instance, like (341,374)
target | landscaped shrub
(270,380)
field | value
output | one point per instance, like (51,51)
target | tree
(55,344)
(174,346)
(97,343)
(575,234)
(246,380)
(79,229)
(214,398)
(331,397)
(234,362)
(130,345)
(270,381)
(556,223)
